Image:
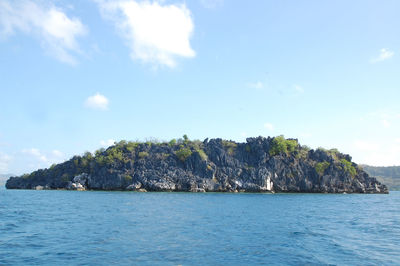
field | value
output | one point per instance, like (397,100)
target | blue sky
(76,75)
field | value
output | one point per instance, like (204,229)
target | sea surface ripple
(125,228)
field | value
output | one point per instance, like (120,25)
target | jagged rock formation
(259,165)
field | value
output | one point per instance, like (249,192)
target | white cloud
(211,4)
(57,153)
(379,159)
(4,161)
(97,101)
(384,118)
(269,126)
(383,55)
(35,158)
(386,157)
(256,85)
(35,153)
(155,33)
(366,145)
(385,123)
(107,143)
(298,88)
(56,31)
(397,140)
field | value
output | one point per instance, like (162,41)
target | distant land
(389,175)
(258,165)
(3,178)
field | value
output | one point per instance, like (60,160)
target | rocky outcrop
(258,165)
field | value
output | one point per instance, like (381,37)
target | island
(389,175)
(273,164)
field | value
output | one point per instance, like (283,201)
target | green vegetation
(247,148)
(389,175)
(99,152)
(131,146)
(185,139)
(385,171)
(230,146)
(128,178)
(183,153)
(280,145)
(162,156)
(202,154)
(26,176)
(113,154)
(143,154)
(332,152)
(172,142)
(348,167)
(303,152)
(321,167)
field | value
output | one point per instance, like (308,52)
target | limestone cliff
(258,165)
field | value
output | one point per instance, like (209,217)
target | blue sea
(125,228)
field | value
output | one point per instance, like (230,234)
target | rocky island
(258,165)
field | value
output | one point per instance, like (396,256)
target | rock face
(259,165)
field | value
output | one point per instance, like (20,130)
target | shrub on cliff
(185,139)
(114,154)
(281,145)
(183,154)
(348,167)
(202,154)
(321,167)
(143,154)
(230,146)
(172,142)
(130,146)
(128,178)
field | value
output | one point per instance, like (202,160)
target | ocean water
(102,228)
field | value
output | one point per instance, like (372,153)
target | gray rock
(223,166)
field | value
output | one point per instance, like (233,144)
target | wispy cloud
(211,4)
(36,158)
(57,154)
(298,88)
(35,153)
(97,102)
(255,85)
(155,33)
(56,31)
(269,126)
(5,159)
(383,55)
(387,155)
(385,123)
(385,118)
(363,145)
(107,143)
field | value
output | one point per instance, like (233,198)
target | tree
(185,139)
(183,154)
(172,142)
(281,145)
